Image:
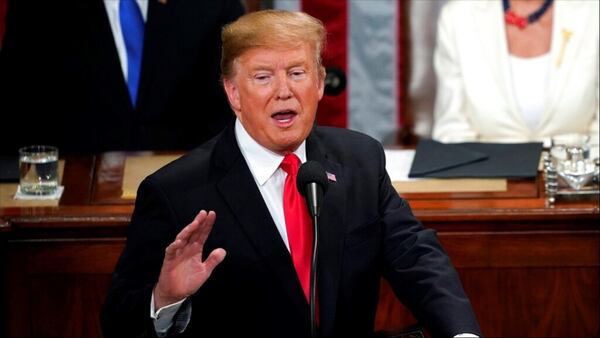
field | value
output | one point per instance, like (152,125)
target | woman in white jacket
(516,71)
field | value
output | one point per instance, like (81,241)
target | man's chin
(286,147)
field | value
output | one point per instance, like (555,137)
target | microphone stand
(313,282)
(314,195)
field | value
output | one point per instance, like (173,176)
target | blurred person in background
(516,70)
(101,75)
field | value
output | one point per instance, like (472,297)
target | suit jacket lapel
(563,52)
(241,194)
(331,229)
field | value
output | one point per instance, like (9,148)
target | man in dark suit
(238,270)
(64,76)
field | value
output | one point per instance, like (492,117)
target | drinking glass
(38,169)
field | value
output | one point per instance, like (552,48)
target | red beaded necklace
(512,18)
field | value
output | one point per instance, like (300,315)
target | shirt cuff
(163,318)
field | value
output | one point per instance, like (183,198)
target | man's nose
(283,88)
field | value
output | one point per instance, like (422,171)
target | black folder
(476,160)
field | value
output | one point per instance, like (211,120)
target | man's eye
(262,78)
(298,74)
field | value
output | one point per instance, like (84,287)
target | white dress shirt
(112,10)
(264,166)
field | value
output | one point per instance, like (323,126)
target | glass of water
(38,169)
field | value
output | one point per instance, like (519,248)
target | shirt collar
(263,163)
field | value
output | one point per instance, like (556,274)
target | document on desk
(399,163)
(137,168)
(476,160)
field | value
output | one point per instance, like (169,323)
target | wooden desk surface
(93,196)
(530,269)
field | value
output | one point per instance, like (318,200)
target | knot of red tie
(290,164)
(298,223)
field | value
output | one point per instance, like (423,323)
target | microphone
(312,183)
(335,81)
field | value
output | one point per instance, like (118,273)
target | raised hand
(183,272)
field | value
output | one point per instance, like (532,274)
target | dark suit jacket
(366,231)
(61,82)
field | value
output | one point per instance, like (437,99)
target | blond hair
(270,29)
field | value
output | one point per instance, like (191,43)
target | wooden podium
(528,268)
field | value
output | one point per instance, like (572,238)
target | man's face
(275,93)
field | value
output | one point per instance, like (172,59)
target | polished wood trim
(67,256)
(77,179)
(78,216)
(505,249)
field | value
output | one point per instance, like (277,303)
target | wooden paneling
(79,298)
(535,302)
(521,284)
(536,249)
(519,302)
(56,288)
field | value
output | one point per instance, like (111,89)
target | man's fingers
(214,259)
(171,250)
(201,216)
(204,228)
(186,232)
(199,228)
(191,228)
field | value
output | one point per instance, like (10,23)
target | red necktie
(297,223)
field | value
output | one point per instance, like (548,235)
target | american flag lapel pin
(331,176)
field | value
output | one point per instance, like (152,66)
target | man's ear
(321,84)
(233,95)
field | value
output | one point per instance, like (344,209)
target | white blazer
(475,98)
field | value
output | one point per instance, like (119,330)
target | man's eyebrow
(261,67)
(268,67)
(296,63)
